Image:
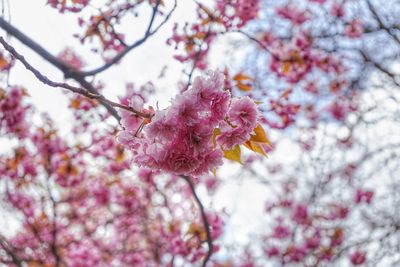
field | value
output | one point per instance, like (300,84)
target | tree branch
(68,71)
(204,219)
(71,88)
(129,48)
(8,249)
(380,22)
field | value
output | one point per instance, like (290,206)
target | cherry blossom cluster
(304,233)
(237,13)
(293,14)
(13,111)
(181,139)
(68,5)
(88,184)
(297,58)
(196,40)
(197,37)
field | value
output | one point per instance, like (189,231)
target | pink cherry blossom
(179,138)
(243,112)
(358,257)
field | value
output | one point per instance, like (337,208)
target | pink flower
(358,257)
(220,106)
(300,214)
(354,29)
(130,120)
(184,109)
(162,126)
(293,14)
(179,138)
(272,252)
(362,195)
(281,232)
(180,161)
(230,137)
(337,10)
(209,162)
(69,56)
(296,254)
(243,112)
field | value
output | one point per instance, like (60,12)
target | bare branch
(9,250)
(382,69)
(68,71)
(71,88)
(139,42)
(380,22)
(204,219)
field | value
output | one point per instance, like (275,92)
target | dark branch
(139,42)
(71,88)
(380,22)
(68,71)
(204,219)
(8,249)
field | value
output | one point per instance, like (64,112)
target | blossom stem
(204,219)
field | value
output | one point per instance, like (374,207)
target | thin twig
(204,219)
(129,48)
(8,249)
(68,71)
(71,88)
(380,22)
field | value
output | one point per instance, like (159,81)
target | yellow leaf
(233,154)
(256,147)
(244,87)
(216,132)
(3,62)
(120,155)
(286,66)
(75,103)
(242,77)
(260,135)
(2,94)
(197,230)
(206,21)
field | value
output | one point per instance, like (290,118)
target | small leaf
(242,77)
(3,62)
(198,231)
(216,132)
(214,171)
(75,103)
(244,87)
(233,154)
(256,147)
(260,135)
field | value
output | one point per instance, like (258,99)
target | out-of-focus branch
(204,219)
(149,32)
(380,22)
(254,39)
(54,232)
(71,88)
(9,250)
(382,69)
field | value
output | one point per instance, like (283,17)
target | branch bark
(139,42)
(68,71)
(204,219)
(71,88)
